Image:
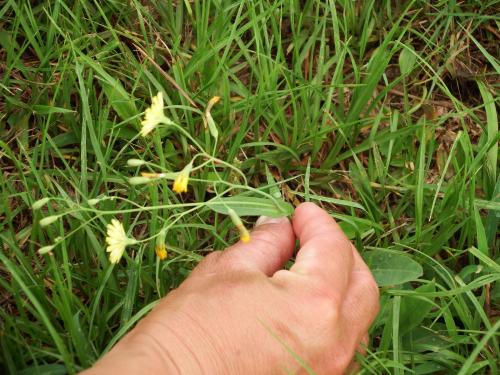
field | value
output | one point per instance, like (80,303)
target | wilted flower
(161,251)
(182,179)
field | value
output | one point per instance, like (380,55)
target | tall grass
(385,113)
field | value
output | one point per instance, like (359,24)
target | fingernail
(270,220)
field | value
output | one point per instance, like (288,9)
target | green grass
(384,113)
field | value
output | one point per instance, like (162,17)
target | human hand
(239,312)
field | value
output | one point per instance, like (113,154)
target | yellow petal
(161,251)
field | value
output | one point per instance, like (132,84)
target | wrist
(175,346)
(169,340)
(133,356)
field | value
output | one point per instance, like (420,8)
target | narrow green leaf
(307,178)
(489,205)
(485,259)
(420,183)
(491,130)
(479,347)
(211,125)
(482,242)
(118,97)
(251,206)
(48,110)
(396,310)
(274,190)
(339,202)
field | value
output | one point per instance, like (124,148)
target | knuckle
(373,290)
(331,311)
(371,295)
(211,258)
(338,360)
(266,242)
(230,262)
(208,264)
(326,304)
(338,364)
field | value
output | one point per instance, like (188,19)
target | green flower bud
(45,249)
(135,162)
(139,180)
(94,201)
(48,220)
(40,203)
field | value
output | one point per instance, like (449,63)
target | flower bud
(45,249)
(161,248)
(138,180)
(135,162)
(48,220)
(93,202)
(40,203)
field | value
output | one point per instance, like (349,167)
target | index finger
(325,253)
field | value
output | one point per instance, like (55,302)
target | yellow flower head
(161,251)
(117,240)
(182,179)
(154,115)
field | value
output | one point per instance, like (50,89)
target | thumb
(271,245)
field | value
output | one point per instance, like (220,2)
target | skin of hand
(240,312)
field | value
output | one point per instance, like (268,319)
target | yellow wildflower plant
(182,179)
(154,115)
(117,240)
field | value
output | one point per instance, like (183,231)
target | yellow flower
(182,179)
(244,234)
(117,240)
(154,115)
(161,251)
(161,248)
